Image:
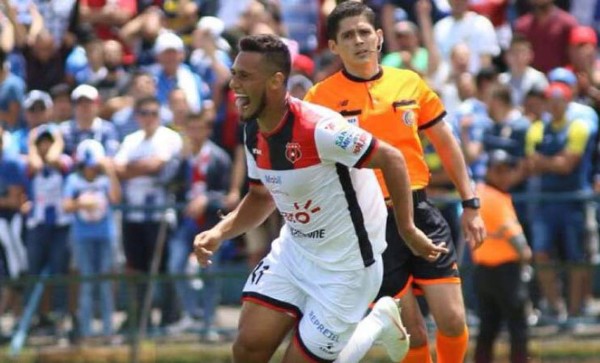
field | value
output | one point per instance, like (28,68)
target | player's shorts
(399,263)
(559,228)
(328,304)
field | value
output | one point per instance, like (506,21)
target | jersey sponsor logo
(352,140)
(352,120)
(273,179)
(300,215)
(408,117)
(293,152)
(316,234)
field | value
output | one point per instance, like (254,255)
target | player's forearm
(252,211)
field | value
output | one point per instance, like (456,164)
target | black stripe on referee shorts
(358,221)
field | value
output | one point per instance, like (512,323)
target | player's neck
(365,72)
(273,114)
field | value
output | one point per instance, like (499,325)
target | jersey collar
(358,79)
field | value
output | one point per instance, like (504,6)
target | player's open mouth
(242,102)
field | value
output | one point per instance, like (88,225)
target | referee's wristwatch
(472,203)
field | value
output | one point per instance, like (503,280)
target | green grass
(565,350)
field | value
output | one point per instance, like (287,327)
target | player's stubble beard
(261,107)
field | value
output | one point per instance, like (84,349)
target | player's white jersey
(334,213)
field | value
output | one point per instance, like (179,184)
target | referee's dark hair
(275,52)
(347,9)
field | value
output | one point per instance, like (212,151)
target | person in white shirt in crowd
(520,76)
(464,26)
(146,161)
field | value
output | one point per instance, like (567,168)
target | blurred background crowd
(112,110)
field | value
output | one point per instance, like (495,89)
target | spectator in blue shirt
(12,89)
(89,194)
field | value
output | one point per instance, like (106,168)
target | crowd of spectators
(107,103)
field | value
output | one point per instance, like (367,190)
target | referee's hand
(473,227)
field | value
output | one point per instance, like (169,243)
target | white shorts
(329,304)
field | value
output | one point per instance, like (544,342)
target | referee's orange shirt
(501,224)
(394,106)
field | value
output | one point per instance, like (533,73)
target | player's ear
(332,46)
(277,80)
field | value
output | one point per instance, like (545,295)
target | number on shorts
(258,272)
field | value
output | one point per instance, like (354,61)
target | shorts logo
(408,117)
(293,152)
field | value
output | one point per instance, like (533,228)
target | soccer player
(395,105)
(325,267)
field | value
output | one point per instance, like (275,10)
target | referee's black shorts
(401,267)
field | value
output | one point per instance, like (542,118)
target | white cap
(84,91)
(216,27)
(36,96)
(89,152)
(166,41)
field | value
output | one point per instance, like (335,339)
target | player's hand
(473,227)
(205,244)
(422,246)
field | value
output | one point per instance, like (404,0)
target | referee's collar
(354,78)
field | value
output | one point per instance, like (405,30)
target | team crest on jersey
(408,117)
(293,152)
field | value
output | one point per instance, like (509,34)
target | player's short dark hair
(275,52)
(347,9)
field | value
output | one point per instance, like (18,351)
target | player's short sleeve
(341,142)
(578,136)
(431,108)
(253,175)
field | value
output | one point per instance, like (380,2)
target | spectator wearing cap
(575,109)
(459,27)
(548,28)
(211,61)
(47,222)
(38,110)
(584,62)
(147,160)
(520,76)
(89,194)
(12,89)
(86,124)
(171,72)
(501,292)
(410,55)
(559,152)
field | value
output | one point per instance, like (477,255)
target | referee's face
(357,42)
